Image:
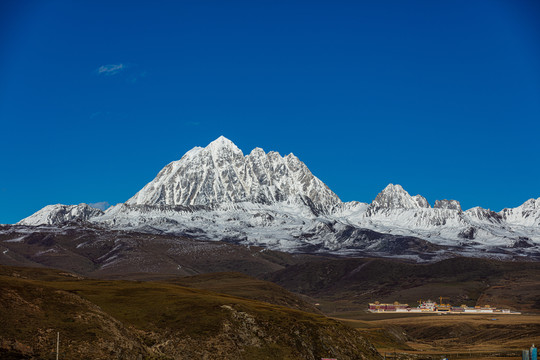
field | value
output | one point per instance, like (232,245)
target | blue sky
(442,97)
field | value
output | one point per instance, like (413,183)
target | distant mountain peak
(531,204)
(527,214)
(395,197)
(447,204)
(59,214)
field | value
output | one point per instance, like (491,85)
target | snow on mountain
(218,193)
(527,214)
(274,226)
(395,197)
(396,212)
(220,173)
(58,214)
(447,204)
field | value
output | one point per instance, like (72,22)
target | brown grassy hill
(237,284)
(100,319)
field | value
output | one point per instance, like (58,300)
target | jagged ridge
(220,173)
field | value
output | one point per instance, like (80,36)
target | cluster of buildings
(429,306)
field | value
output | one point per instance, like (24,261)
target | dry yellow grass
(105,319)
(453,336)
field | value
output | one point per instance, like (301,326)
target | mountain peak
(531,204)
(257,152)
(395,197)
(222,141)
(59,214)
(391,188)
(447,204)
(221,174)
(223,149)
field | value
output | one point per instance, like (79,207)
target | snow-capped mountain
(528,214)
(395,211)
(395,197)
(59,214)
(218,193)
(447,204)
(220,174)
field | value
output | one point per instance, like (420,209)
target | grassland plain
(453,336)
(106,319)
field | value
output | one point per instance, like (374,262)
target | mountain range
(274,201)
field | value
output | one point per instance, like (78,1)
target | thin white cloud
(111,69)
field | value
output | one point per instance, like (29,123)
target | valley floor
(447,336)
